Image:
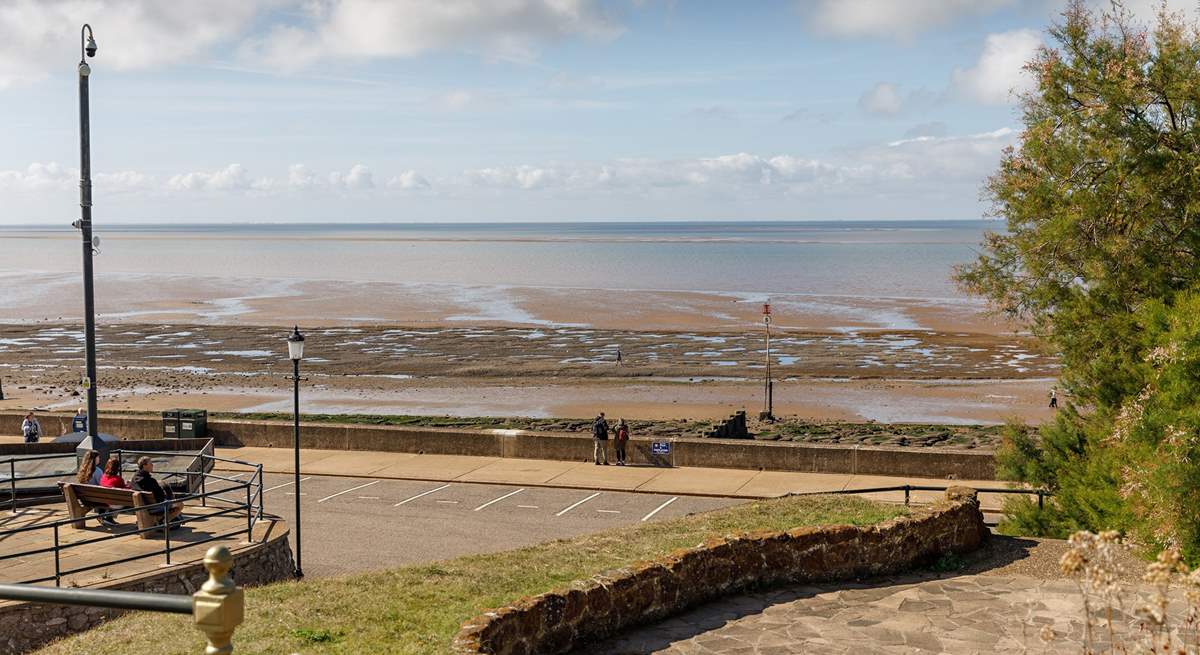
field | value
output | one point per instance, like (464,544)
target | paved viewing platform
(185,543)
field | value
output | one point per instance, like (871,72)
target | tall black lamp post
(295,344)
(87,48)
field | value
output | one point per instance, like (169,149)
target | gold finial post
(219,606)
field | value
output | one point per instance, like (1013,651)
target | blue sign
(660,448)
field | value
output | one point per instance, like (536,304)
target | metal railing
(251,506)
(11,465)
(909,488)
(202,461)
(218,607)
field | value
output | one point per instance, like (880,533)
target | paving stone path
(913,614)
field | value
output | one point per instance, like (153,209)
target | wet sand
(875,375)
(189,300)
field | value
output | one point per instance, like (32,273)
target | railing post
(203,487)
(1041,496)
(249,515)
(219,606)
(260,492)
(57,564)
(12,482)
(906,489)
(166,510)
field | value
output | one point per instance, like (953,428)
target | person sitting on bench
(144,480)
(90,473)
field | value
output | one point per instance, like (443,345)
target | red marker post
(768,387)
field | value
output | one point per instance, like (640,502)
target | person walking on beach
(1053,397)
(600,439)
(31,429)
(620,440)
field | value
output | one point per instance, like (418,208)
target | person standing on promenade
(621,439)
(79,423)
(600,439)
(31,429)
(1053,397)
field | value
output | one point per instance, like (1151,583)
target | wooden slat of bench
(91,495)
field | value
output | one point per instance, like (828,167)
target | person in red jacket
(621,441)
(112,479)
(112,475)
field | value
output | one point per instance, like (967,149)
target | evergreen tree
(1101,252)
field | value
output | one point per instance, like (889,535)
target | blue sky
(486,110)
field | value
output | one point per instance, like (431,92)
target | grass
(415,610)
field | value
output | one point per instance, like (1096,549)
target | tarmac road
(361,524)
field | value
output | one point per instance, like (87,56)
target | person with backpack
(622,438)
(600,439)
(31,429)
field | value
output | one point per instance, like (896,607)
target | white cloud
(361,29)
(358,178)
(230,178)
(39,36)
(883,99)
(38,176)
(300,178)
(933,168)
(898,19)
(408,180)
(998,76)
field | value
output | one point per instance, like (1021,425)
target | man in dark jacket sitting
(144,480)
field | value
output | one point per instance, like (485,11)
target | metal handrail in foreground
(218,607)
(909,488)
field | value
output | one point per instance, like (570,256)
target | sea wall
(717,453)
(26,626)
(603,606)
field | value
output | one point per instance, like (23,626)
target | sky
(515,110)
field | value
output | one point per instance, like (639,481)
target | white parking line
(496,500)
(527,506)
(361,486)
(280,486)
(368,497)
(660,508)
(579,503)
(424,493)
(609,511)
(447,502)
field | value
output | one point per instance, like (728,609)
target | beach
(658,322)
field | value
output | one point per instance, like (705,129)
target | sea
(869,259)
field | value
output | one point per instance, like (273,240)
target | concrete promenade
(695,481)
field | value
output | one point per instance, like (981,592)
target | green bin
(170,424)
(193,423)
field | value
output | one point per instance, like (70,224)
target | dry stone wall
(26,626)
(601,607)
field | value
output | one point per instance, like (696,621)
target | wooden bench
(82,498)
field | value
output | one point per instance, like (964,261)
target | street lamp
(87,48)
(295,343)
